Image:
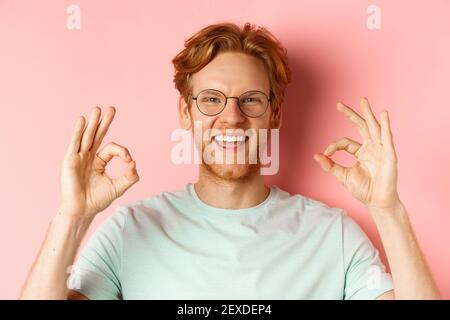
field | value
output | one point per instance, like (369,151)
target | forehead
(232,73)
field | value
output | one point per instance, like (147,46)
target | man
(229,236)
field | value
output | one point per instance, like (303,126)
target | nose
(232,114)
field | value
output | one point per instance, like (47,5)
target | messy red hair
(204,45)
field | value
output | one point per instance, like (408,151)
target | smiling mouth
(230,141)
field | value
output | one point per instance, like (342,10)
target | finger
(346,144)
(386,133)
(75,140)
(89,132)
(112,150)
(328,165)
(372,123)
(354,117)
(103,128)
(125,181)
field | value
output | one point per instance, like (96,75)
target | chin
(233,172)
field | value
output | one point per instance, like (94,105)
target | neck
(230,194)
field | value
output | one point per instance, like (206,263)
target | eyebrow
(253,89)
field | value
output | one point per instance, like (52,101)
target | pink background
(122,56)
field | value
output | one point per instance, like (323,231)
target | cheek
(261,123)
(200,119)
(263,130)
(202,126)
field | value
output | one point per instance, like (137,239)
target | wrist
(396,211)
(77,221)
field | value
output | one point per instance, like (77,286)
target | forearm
(48,276)
(411,275)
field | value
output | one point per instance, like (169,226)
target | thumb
(328,165)
(324,161)
(125,181)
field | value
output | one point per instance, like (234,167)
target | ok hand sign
(85,187)
(373,179)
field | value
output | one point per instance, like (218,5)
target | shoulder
(310,209)
(318,217)
(156,208)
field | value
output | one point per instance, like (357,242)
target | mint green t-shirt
(174,246)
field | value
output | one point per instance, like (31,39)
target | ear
(276,118)
(184,113)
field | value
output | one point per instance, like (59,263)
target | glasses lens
(253,103)
(210,102)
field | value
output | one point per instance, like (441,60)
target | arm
(49,273)
(411,275)
(86,190)
(373,181)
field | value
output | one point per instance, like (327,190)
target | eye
(251,100)
(210,100)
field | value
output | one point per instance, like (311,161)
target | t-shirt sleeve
(365,275)
(96,273)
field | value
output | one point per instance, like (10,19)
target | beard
(235,171)
(232,172)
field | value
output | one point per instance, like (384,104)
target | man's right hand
(86,189)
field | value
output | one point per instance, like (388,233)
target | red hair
(204,45)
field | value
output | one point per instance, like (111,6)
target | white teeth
(229,138)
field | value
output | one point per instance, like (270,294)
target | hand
(373,179)
(85,187)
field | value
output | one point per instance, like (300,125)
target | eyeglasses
(211,102)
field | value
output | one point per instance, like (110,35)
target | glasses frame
(269,99)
